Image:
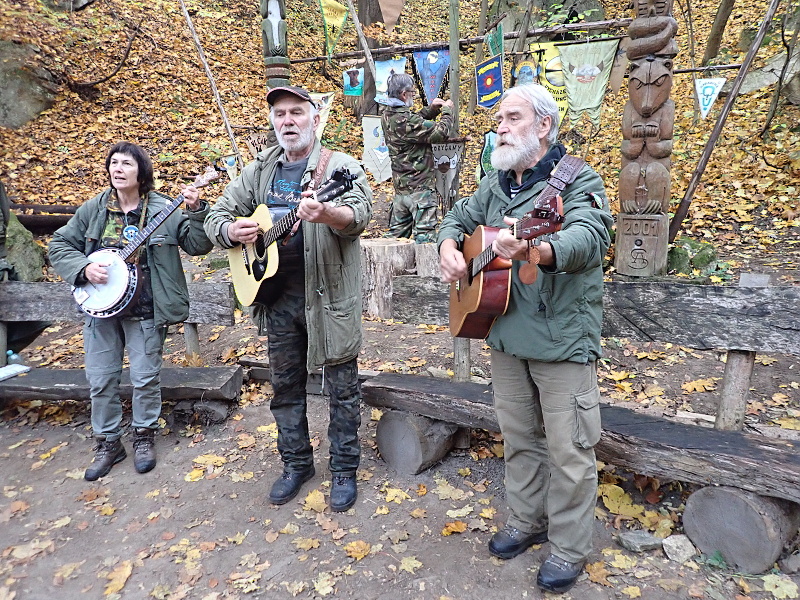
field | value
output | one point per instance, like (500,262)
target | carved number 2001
(643,228)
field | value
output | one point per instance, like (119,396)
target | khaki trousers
(549,415)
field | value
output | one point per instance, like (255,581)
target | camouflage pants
(414,216)
(288,346)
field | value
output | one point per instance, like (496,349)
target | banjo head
(97,299)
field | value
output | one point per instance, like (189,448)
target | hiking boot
(343,492)
(288,485)
(510,541)
(106,455)
(558,575)
(144,449)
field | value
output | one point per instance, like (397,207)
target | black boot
(343,492)
(510,541)
(288,485)
(558,575)
(144,449)
(106,455)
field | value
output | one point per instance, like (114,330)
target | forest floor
(199,525)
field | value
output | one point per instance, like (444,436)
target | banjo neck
(141,237)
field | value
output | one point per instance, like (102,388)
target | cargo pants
(414,216)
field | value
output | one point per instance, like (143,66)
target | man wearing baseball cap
(311,308)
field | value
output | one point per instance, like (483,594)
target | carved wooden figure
(274,42)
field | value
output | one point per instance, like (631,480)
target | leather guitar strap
(322,167)
(563,174)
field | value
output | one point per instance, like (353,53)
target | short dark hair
(145,176)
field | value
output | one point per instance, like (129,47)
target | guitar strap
(322,167)
(564,173)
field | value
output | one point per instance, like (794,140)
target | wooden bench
(761,474)
(209,303)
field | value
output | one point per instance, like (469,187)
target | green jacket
(558,317)
(81,236)
(332,257)
(409,136)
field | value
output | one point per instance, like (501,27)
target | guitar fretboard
(154,224)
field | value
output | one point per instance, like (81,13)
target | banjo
(124,276)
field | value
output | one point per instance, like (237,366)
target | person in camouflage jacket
(409,136)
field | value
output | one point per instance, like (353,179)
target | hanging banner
(485,161)
(447,162)
(353,82)
(324,101)
(390,9)
(493,40)
(525,72)
(620,66)
(707,92)
(258,141)
(376,153)
(489,81)
(431,67)
(547,58)
(586,68)
(334,18)
(383,70)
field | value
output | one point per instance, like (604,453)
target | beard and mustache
(515,152)
(303,140)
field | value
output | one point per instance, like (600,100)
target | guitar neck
(482,260)
(285,223)
(154,224)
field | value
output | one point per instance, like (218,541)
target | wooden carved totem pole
(647,126)
(273,38)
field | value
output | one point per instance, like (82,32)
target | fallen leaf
(598,573)
(357,549)
(454,527)
(410,564)
(118,577)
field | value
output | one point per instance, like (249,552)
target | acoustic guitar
(111,298)
(253,264)
(478,298)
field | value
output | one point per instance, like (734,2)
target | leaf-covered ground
(199,527)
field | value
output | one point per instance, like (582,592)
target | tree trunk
(369,12)
(382,259)
(748,530)
(717,29)
(411,443)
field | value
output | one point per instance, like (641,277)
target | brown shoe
(106,455)
(144,450)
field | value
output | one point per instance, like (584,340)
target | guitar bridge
(246,260)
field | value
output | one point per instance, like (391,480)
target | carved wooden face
(649,84)
(653,8)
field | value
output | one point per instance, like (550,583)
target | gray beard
(518,156)
(303,141)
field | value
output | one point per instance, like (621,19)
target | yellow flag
(551,74)
(334,18)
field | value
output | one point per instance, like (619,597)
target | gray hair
(399,83)
(542,103)
(314,113)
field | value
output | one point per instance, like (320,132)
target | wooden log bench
(210,389)
(741,320)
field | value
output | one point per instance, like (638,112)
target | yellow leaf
(118,577)
(623,562)
(465,472)
(454,527)
(382,510)
(419,513)
(315,501)
(396,495)
(460,513)
(498,450)
(410,564)
(107,510)
(291,529)
(194,475)
(700,385)
(357,549)
(598,573)
(488,512)
(306,543)
(238,538)
(618,375)
(632,591)
(375,414)
(422,489)
(210,459)
(246,440)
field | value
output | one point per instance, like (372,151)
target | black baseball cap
(274,93)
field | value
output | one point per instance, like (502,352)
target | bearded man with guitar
(152,294)
(302,276)
(544,346)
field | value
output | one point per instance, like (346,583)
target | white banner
(707,92)
(324,101)
(376,153)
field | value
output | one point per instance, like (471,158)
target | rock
(791,564)
(68,5)
(25,90)
(678,548)
(24,253)
(639,541)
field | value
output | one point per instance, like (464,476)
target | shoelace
(142,444)
(340,480)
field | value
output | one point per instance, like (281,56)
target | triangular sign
(707,92)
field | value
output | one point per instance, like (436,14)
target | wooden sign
(641,244)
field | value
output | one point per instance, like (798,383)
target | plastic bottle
(12,358)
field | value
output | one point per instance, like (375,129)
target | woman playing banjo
(130,297)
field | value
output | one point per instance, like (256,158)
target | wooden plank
(697,316)
(51,301)
(645,444)
(177,383)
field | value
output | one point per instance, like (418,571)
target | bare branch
(76,85)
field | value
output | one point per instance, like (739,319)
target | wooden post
(738,372)
(461,356)
(362,38)
(192,339)
(3,343)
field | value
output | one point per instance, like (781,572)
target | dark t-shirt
(282,198)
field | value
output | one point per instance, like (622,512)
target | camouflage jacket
(409,136)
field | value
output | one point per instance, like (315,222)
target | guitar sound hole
(259,247)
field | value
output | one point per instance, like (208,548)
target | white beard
(301,142)
(517,154)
